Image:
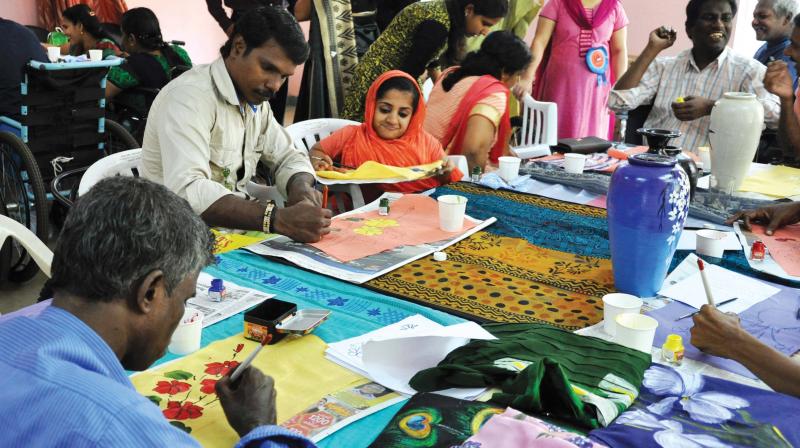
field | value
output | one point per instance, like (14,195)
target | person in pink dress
(578,51)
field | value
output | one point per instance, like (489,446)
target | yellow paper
(376,171)
(227,240)
(301,372)
(774,180)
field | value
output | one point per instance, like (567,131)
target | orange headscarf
(359,144)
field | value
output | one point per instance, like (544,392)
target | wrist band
(266,225)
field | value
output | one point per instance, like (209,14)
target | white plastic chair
(306,133)
(539,128)
(38,251)
(128,163)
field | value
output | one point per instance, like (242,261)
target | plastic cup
(574,163)
(509,167)
(53,53)
(451,212)
(461,163)
(710,243)
(636,331)
(95,55)
(615,304)
(187,335)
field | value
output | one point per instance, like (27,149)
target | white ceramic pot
(736,123)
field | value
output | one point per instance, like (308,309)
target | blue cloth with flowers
(682,408)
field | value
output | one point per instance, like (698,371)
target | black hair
(85,16)
(694,7)
(501,52)
(402,84)
(494,9)
(797,20)
(262,24)
(143,24)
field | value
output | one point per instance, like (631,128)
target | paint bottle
(383,207)
(476,174)
(217,290)
(672,350)
(758,251)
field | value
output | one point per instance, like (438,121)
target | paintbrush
(336,164)
(706,286)
(249,360)
(724,302)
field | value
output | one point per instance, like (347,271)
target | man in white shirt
(208,129)
(684,88)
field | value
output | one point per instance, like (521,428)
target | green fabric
(540,368)
(122,78)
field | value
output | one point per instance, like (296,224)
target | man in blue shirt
(772,22)
(17,47)
(124,265)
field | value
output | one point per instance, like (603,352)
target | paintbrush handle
(244,365)
(707,287)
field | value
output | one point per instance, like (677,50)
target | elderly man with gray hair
(772,22)
(124,265)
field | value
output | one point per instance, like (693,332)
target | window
(744,37)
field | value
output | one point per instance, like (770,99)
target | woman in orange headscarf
(391,134)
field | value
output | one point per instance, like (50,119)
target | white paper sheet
(237,299)
(688,241)
(724,285)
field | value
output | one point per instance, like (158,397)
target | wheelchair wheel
(5,250)
(118,139)
(25,200)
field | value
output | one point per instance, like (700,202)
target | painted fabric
(681,408)
(431,420)
(541,369)
(515,429)
(184,391)
(355,145)
(543,261)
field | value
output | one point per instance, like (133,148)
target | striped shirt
(64,386)
(669,78)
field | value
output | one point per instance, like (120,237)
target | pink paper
(413,220)
(784,246)
(599,202)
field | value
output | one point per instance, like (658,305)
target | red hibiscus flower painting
(172,387)
(207,386)
(177,411)
(220,368)
(239,348)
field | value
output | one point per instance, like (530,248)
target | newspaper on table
(363,269)
(339,409)
(237,299)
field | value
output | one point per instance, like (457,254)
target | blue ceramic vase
(648,201)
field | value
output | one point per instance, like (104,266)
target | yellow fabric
(377,171)
(775,180)
(487,111)
(301,372)
(226,240)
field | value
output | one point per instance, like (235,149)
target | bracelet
(266,225)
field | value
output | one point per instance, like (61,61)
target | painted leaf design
(181,426)
(179,375)
(155,399)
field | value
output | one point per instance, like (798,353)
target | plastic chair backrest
(39,251)
(125,163)
(539,123)
(306,133)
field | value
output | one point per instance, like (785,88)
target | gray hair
(785,8)
(123,229)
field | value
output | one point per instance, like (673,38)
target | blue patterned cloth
(355,311)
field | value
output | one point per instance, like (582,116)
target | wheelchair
(61,126)
(130,107)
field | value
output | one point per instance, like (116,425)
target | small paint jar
(217,290)
(476,174)
(383,207)
(672,350)
(758,251)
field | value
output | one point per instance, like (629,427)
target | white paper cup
(710,243)
(615,304)
(451,212)
(509,167)
(461,163)
(636,331)
(574,163)
(95,55)
(187,335)
(53,53)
